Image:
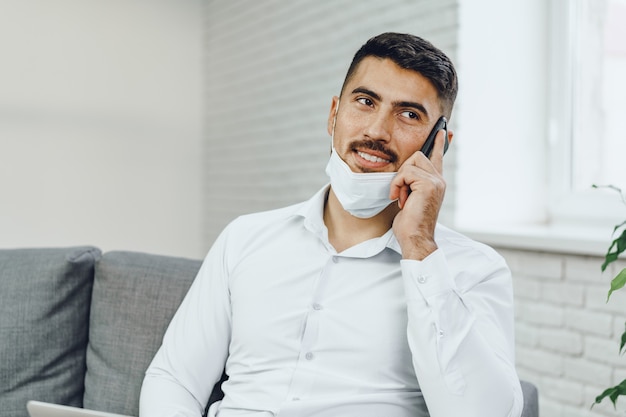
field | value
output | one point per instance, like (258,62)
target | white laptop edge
(43,409)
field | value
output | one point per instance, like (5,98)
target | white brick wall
(272,68)
(567,336)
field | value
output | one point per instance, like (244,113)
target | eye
(365,101)
(410,115)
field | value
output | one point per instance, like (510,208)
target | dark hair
(412,53)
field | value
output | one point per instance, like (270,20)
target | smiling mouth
(373,152)
(372,158)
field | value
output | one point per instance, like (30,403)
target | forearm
(162,396)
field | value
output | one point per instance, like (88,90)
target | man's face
(385,115)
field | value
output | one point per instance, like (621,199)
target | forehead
(393,83)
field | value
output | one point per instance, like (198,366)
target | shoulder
(264,219)
(457,246)
(473,264)
(251,229)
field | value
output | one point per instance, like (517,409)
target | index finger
(436,157)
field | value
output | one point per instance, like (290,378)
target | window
(539,122)
(600,84)
(588,103)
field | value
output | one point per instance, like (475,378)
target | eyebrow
(411,104)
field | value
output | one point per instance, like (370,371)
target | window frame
(590,208)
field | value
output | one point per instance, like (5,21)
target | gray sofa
(79,327)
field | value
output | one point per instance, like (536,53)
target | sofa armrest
(531,400)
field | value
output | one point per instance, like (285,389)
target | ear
(450,136)
(332,115)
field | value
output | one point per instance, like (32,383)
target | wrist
(418,248)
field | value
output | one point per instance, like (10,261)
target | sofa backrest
(134,298)
(80,328)
(44,313)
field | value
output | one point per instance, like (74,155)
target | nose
(379,126)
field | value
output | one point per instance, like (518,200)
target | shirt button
(317,306)
(296,398)
(309,356)
(422,279)
(440,333)
(335,259)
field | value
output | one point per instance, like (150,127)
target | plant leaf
(607,392)
(618,282)
(610,256)
(613,393)
(620,246)
(623,343)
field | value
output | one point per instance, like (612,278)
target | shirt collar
(312,211)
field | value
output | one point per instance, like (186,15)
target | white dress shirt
(305,331)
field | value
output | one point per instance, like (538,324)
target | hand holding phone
(415,223)
(427,148)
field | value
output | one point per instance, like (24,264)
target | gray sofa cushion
(135,296)
(531,399)
(44,314)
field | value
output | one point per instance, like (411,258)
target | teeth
(371,158)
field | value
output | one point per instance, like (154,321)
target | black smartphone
(427,148)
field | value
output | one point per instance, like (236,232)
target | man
(356,302)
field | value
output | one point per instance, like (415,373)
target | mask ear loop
(332,136)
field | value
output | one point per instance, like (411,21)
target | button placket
(300,387)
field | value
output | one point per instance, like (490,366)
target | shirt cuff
(428,278)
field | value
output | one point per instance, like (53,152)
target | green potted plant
(615,249)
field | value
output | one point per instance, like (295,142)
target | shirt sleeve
(461,335)
(192,356)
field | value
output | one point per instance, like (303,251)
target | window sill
(554,239)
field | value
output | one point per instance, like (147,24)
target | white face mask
(363,195)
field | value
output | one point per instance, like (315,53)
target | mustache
(374,146)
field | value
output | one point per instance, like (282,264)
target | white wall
(502,118)
(101,124)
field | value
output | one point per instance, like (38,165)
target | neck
(346,230)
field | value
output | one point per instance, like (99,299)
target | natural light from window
(599,135)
